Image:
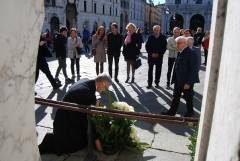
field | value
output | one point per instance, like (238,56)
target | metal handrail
(146,117)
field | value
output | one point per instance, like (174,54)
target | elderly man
(172,55)
(156,46)
(184,76)
(69,127)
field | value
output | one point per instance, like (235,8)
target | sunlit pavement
(168,142)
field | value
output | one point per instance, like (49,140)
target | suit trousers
(43,66)
(188,96)
(157,72)
(170,67)
(110,61)
(61,66)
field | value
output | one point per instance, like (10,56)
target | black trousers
(101,67)
(157,72)
(205,55)
(61,66)
(110,62)
(188,96)
(170,67)
(73,61)
(43,66)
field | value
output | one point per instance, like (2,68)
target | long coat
(99,46)
(70,128)
(71,47)
(186,68)
(131,50)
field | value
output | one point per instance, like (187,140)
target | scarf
(128,38)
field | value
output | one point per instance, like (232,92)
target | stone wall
(21,23)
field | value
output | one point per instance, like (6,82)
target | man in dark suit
(156,46)
(42,64)
(113,51)
(184,76)
(69,127)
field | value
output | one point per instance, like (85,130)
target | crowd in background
(106,47)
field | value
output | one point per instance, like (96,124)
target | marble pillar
(21,22)
(219,130)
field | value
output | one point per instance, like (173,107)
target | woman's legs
(128,71)
(78,66)
(132,63)
(72,67)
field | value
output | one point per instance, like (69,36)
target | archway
(197,21)
(54,24)
(176,20)
(71,15)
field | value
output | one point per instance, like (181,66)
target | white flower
(123,106)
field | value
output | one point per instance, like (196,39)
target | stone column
(21,23)
(219,131)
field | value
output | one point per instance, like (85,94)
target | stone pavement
(168,142)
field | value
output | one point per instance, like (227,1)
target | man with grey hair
(156,46)
(185,74)
(70,129)
(172,53)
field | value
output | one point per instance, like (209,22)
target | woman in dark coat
(131,49)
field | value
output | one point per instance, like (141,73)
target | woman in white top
(73,43)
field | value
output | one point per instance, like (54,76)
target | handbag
(138,63)
(79,50)
(93,52)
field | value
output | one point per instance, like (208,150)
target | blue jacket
(186,68)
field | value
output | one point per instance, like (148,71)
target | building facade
(81,13)
(186,14)
(137,12)
(152,16)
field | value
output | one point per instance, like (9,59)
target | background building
(187,14)
(137,12)
(81,13)
(152,16)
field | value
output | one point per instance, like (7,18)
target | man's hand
(154,55)
(42,43)
(186,87)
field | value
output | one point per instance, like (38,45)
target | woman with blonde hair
(73,43)
(99,43)
(131,49)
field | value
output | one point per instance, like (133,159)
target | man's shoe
(127,80)
(68,80)
(168,113)
(157,85)
(57,86)
(116,80)
(57,80)
(149,86)
(189,114)
(132,81)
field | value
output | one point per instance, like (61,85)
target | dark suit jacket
(156,45)
(70,128)
(60,46)
(186,68)
(114,44)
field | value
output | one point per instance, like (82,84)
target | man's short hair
(63,28)
(187,30)
(114,24)
(103,78)
(181,39)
